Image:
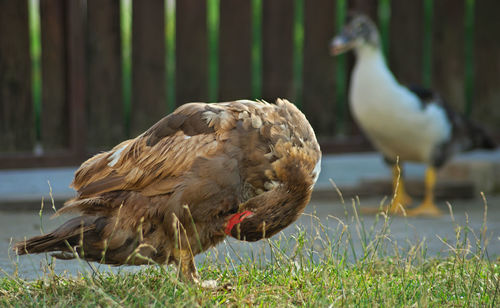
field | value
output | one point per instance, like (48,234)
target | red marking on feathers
(236,219)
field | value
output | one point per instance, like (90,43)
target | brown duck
(243,168)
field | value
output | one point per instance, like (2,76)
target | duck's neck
(368,51)
(371,67)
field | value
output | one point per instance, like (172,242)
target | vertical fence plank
(406,41)
(277,39)
(319,68)
(191,51)
(104,99)
(235,49)
(76,75)
(148,64)
(487,64)
(448,43)
(54,114)
(16,106)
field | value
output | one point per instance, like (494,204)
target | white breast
(390,114)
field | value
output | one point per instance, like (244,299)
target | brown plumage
(244,168)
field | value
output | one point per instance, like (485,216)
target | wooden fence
(218,50)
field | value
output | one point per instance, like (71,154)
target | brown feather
(174,188)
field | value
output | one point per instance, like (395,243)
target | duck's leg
(427,207)
(401,199)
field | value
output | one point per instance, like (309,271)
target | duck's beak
(341,43)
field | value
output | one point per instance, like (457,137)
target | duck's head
(358,31)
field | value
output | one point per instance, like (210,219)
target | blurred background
(77,77)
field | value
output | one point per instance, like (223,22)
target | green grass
(213,49)
(256,61)
(36,64)
(320,266)
(385,282)
(126,41)
(469,55)
(298,51)
(170,53)
(341,73)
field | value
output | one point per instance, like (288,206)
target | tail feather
(479,138)
(87,238)
(66,236)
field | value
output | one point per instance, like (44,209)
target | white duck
(412,123)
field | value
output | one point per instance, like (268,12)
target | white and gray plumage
(411,123)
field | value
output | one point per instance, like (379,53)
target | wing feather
(181,158)
(166,150)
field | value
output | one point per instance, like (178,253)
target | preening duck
(409,123)
(244,169)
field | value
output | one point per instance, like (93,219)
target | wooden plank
(406,41)
(191,51)
(54,114)
(104,84)
(16,106)
(148,64)
(235,49)
(448,43)
(56,158)
(319,66)
(487,65)
(76,75)
(277,49)
(355,143)
(368,7)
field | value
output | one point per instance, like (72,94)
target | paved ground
(23,189)
(404,232)
(21,192)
